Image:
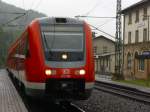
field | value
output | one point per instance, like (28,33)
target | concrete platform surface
(10,101)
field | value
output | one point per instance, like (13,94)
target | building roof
(135,5)
(103,37)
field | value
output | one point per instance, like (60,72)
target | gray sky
(71,8)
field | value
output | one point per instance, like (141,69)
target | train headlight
(48,72)
(82,72)
(64,56)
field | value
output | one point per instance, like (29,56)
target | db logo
(66,71)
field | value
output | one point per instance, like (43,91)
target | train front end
(69,64)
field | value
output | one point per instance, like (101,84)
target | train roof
(59,20)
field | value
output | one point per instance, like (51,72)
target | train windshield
(63,39)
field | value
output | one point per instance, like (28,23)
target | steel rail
(124,91)
(70,107)
(77,108)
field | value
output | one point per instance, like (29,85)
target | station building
(104,54)
(137,41)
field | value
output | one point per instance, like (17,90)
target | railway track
(37,105)
(128,92)
(42,105)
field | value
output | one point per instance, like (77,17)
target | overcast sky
(71,8)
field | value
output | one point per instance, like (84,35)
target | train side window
(15,52)
(26,50)
(27,54)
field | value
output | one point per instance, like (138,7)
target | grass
(144,83)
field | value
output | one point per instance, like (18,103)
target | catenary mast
(118,45)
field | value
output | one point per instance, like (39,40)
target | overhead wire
(22,15)
(95,6)
(29,10)
(94,17)
(106,22)
(98,29)
(23,4)
(3,12)
(11,20)
(38,4)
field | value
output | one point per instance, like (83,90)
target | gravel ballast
(106,102)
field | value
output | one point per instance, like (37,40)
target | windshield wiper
(45,41)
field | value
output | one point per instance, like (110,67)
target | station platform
(10,101)
(107,79)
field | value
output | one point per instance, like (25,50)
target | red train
(53,57)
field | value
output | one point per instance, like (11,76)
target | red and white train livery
(54,58)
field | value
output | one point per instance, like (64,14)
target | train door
(15,62)
(22,57)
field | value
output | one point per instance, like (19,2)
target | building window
(137,16)
(129,61)
(130,18)
(141,64)
(145,13)
(95,49)
(144,34)
(136,55)
(105,49)
(136,36)
(129,37)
